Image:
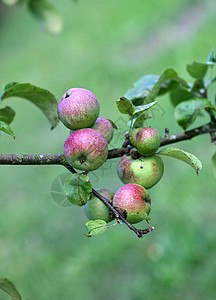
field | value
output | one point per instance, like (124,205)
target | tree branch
(59,159)
(209,128)
(188,135)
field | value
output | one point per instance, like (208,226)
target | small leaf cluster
(190,99)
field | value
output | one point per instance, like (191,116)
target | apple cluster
(86,148)
(148,169)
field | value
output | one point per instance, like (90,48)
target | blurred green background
(105,46)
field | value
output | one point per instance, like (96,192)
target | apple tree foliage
(7,286)
(189,99)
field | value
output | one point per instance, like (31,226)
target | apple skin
(86,149)
(145,171)
(135,200)
(147,140)
(78,108)
(105,127)
(95,209)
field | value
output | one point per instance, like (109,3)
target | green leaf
(212,80)
(186,112)
(211,58)
(9,85)
(188,158)
(197,70)
(10,2)
(141,88)
(141,108)
(168,86)
(42,98)
(139,120)
(214,163)
(166,75)
(125,106)
(7,115)
(6,128)
(78,189)
(172,84)
(113,124)
(96,227)
(7,286)
(47,15)
(148,87)
(179,95)
(140,115)
(198,85)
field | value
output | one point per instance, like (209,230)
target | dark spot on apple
(82,159)
(148,199)
(141,167)
(138,136)
(68,94)
(137,213)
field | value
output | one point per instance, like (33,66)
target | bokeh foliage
(105,47)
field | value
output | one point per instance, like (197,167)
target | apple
(105,127)
(78,108)
(145,171)
(86,149)
(95,209)
(135,200)
(147,140)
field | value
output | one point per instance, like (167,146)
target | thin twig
(189,134)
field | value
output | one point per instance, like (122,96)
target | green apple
(146,140)
(95,209)
(145,171)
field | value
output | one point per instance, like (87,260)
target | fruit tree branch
(189,134)
(209,128)
(59,159)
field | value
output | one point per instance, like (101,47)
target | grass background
(105,46)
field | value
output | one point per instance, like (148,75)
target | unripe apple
(95,209)
(146,171)
(86,149)
(78,108)
(105,127)
(146,140)
(135,200)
